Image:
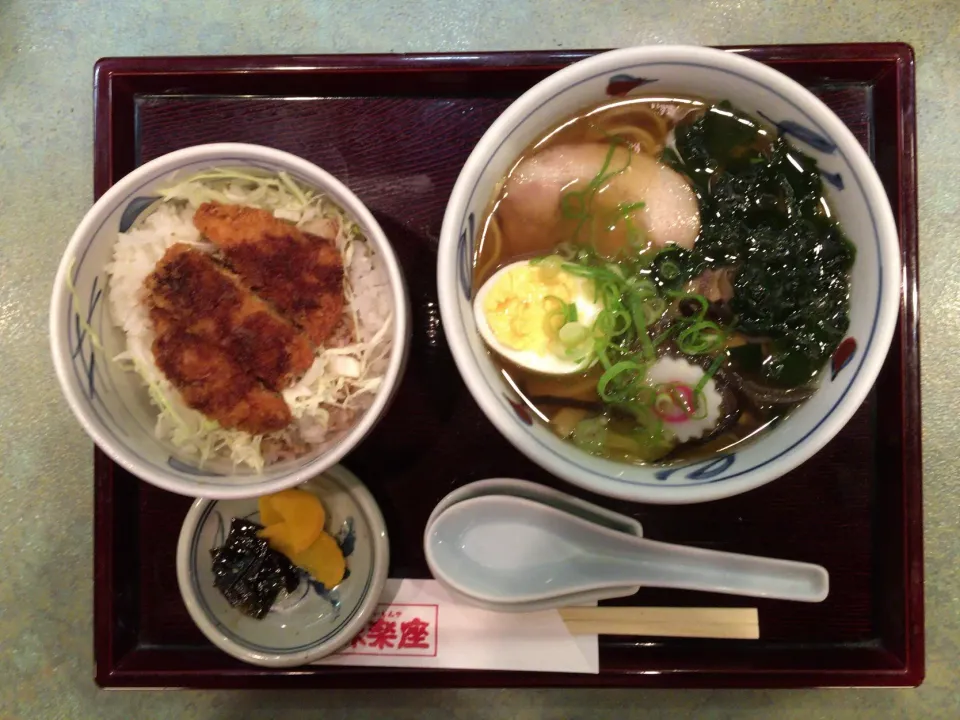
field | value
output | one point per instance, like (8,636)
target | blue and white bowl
(311,622)
(112,404)
(855,194)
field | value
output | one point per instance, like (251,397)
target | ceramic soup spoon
(500,548)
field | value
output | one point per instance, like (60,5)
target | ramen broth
(707,242)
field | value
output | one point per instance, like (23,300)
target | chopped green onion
(634,295)
(572,333)
(578,204)
(617,376)
(700,338)
(624,316)
(549,266)
(700,402)
(663,403)
(665,335)
(649,352)
(711,371)
(669,270)
(653,309)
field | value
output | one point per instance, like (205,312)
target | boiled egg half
(539,316)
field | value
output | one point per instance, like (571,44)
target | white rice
(346,374)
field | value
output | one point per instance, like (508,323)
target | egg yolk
(519,306)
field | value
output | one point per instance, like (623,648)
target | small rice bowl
(347,371)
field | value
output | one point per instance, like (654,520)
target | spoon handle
(659,564)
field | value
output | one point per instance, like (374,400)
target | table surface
(47,51)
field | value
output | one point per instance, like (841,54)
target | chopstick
(728,623)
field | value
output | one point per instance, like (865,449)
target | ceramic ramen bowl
(855,195)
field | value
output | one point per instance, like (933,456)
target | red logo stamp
(399,629)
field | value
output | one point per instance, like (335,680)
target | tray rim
(116,81)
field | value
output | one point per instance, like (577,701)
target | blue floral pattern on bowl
(86,346)
(833,178)
(134,210)
(817,141)
(520,410)
(622,83)
(465,252)
(804,134)
(701,470)
(842,357)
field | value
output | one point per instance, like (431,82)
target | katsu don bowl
(228,320)
(668,274)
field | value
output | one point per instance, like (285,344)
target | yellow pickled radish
(279,537)
(301,519)
(268,516)
(323,560)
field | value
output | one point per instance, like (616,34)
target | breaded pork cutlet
(212,382)
(300,274)
(194,295)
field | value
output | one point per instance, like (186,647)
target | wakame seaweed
(762,212)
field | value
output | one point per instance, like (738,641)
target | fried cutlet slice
(300,274)
(191,291)
(211,381)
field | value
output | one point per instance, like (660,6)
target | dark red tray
(396,129)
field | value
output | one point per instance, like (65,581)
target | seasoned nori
(248,572)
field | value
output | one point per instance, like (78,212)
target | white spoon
(562,501)
(499,548)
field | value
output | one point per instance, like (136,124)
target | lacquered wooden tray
(396,129)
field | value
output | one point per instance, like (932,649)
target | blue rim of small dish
(873,326)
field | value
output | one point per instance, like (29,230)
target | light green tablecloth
(47,50)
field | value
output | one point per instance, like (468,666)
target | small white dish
(112,404)
(311,622)
(553,498)
(504,549)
